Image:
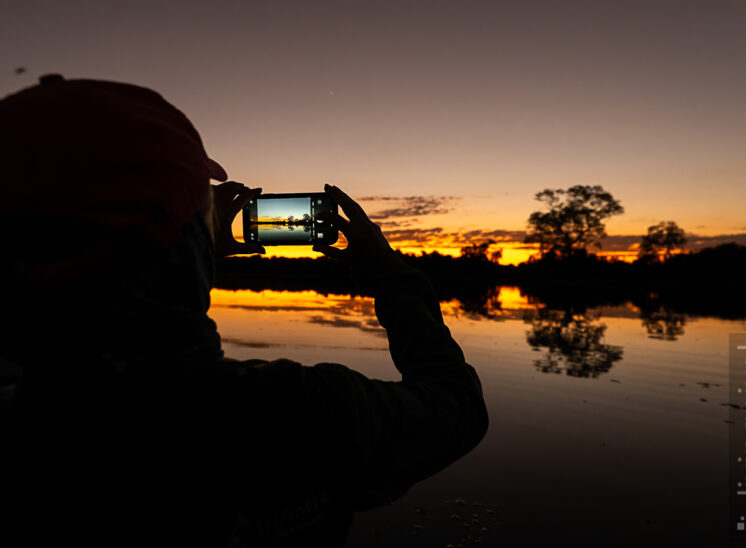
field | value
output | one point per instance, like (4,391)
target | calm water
(607,429)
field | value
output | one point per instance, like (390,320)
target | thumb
(331,252)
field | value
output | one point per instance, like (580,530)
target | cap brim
(216,170)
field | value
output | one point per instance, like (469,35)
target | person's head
(114,157)
(104,189)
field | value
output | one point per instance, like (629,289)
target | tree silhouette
(291,219)
(306,218)
(666,236)
(574,219)
(480,252)
(573,342)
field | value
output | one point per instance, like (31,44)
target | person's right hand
(228,199)
(368,254)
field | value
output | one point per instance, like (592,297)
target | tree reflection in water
(573,342)
(306,227)
(484,303)
(663,324)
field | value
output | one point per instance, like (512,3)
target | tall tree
(573,220)
(480,252)
(666,236)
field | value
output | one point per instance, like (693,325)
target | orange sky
(476,105)
(416,239)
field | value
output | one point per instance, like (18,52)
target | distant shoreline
(710,282)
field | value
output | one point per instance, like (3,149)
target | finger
(352,203)
(225,193)
(244,197)
(335,219)
(223,187)
(252,191)
(351,208)
(348,205)
(229,189)
(331,252)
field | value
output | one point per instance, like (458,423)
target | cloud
(420,235)
(397,198)
(695,241)
(410,206)
(438,237)
(630,242)
(397,224)
(619,242)
(482,235)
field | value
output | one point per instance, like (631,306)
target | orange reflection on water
(268,300)
(327,306)
(498,303)
(271,324)
(506,298)
(512,298)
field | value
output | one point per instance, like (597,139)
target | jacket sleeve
(398,433)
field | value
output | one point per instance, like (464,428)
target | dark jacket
(343,442)
(211,452)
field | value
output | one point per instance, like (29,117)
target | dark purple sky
(488,102)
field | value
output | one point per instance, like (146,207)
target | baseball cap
(116,156)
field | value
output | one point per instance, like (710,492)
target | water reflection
(309,307)
(663,324)
(368,325)
(485,303)
(666,406)
(570,332)
(573,342)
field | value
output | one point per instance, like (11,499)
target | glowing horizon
(418,240)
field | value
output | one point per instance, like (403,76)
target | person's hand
(368,254)
(228,199)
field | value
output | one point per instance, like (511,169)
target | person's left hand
(228,199)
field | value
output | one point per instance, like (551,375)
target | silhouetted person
(127,426)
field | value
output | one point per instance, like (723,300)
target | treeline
(724,265)
(708,282)
(703,283)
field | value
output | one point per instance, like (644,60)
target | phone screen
(289,219)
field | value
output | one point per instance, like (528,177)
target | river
(607,427)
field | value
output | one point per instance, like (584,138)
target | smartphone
(289,219)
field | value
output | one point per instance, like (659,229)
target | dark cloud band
(410,206)
(437,237)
